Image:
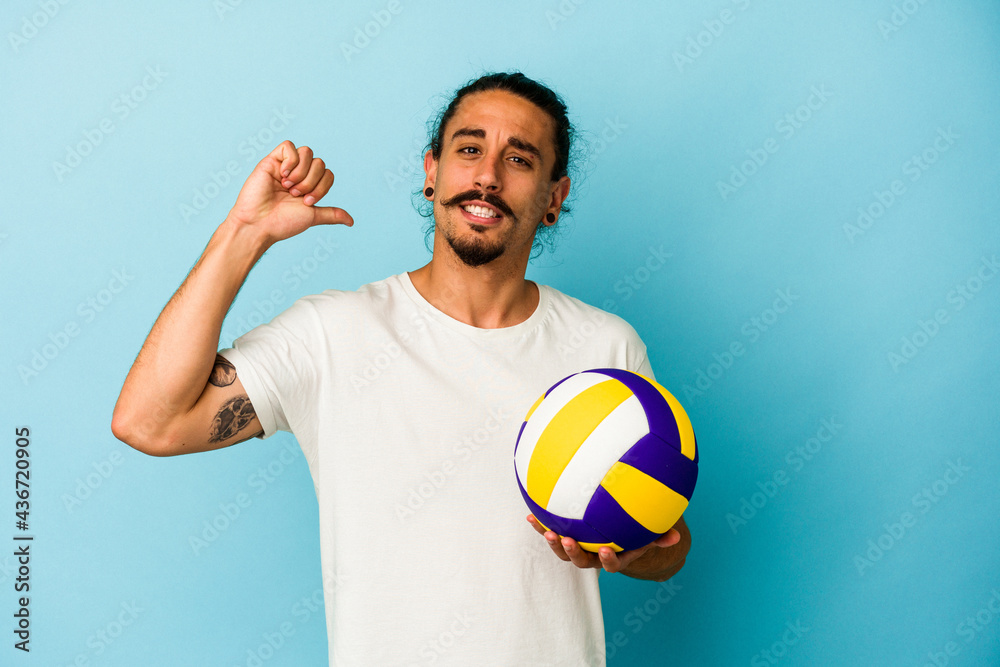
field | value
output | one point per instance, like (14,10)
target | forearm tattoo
(224,373)
(234,414)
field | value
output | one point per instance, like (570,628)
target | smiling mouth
(481,215)
(481,211)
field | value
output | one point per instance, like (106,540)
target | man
(420,515)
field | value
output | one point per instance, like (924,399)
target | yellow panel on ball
(563,436)
(648,501)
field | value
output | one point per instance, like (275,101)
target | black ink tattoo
(232,416)
(250,437)
(224,373)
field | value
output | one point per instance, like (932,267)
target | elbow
(128,431)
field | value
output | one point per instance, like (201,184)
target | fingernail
(287,183)
(309,200)
(294,192)
(286,172)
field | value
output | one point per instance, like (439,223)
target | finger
(537,526)
(553,541)
(286,155)
(579,557)
(550,537)
(320,190)
(330,215)
(311,179)
(301,169)
(668,539)
(623,559)
(610,560)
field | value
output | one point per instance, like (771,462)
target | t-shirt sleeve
(277,364)
(636,353)
(644,367)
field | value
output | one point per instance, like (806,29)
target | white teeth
(481,211)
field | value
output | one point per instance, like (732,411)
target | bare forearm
(661,563)
(174,364)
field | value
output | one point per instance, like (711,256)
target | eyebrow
(516,142)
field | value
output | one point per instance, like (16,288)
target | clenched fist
(278,199)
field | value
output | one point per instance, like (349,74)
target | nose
(488,173)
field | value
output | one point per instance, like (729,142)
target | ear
(558,194)
(430,168)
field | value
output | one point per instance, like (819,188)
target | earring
(428,192)
(551,217)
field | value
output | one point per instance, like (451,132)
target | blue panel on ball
(520,431)
(575,528)
(664,463)
(608,517)
(658,413)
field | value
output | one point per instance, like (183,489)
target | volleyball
(607,457)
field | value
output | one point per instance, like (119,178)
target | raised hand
(278,199)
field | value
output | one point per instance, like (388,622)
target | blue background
(670,98)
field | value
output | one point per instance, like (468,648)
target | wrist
(243,238)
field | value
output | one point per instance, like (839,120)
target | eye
(465,148)
(521,159)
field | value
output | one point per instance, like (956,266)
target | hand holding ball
(607,457)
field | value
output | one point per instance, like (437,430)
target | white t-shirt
(408,419)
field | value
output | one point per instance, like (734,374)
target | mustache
(471,195)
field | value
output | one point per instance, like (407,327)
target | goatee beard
(475,252)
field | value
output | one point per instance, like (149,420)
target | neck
(491,296)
